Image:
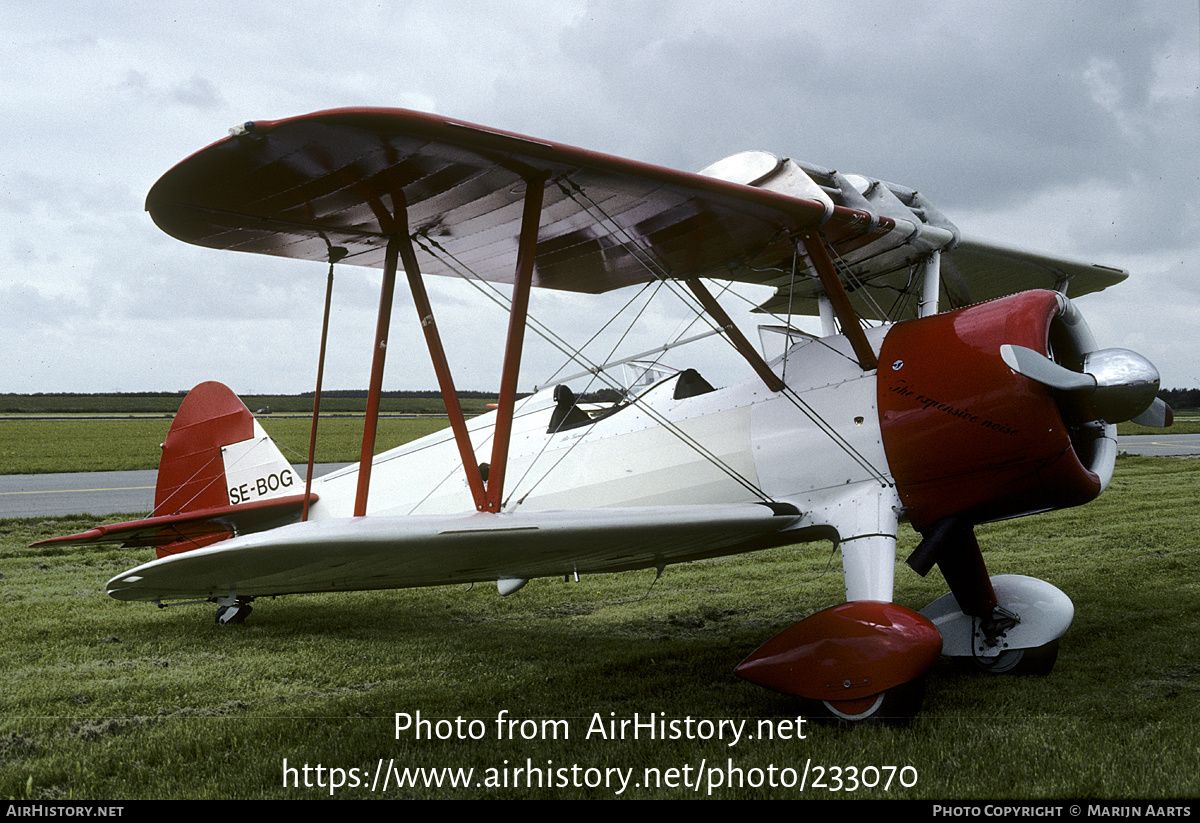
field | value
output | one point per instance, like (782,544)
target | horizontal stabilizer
(195,528)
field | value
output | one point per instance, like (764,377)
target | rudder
(217,456)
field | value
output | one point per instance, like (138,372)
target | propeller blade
(1159,415)
(1041,368)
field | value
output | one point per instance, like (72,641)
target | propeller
(1122,384)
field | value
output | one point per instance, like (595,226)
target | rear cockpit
(571,412)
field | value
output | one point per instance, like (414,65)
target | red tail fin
(217,457)
(191,473)
(220,474)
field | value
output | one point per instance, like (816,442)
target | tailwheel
(898,704)
(1035,661)
(237,613)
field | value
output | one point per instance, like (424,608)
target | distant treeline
(1181,398)
(332,402)
(167,403)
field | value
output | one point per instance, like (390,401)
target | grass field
(1182,425)
(105,700)
(38,446)
(80,433)
(127,444)
(166,404)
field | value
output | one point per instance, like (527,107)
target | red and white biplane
(954,383)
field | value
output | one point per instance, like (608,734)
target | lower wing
(399,552)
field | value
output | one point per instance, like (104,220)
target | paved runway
(106,493)
(1161,445)
(98,493)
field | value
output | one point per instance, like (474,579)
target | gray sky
(1068,127)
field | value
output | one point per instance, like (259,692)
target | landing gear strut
(1008,624)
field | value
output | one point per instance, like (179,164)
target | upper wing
(396,552)
(339,182)
(301,186)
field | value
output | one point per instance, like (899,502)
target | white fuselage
(816,445)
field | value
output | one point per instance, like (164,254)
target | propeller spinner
(1121,383)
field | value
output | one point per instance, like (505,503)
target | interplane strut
(375,390)
(487,496)
(527,248)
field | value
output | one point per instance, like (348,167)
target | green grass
(132,443)
(167,403)
(40,446)
(107,700)
(1185,426)
(30,446)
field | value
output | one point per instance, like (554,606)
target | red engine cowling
(967,436)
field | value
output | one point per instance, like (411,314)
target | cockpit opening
(568,414)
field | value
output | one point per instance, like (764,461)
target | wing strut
(814,244)
(375,390)
(736,337)
(400,250)
(400,246)
(437,354)
(336,253)
(535,186)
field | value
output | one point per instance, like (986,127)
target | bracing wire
(658,271)
(494,294)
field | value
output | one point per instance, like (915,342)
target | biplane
(953,383)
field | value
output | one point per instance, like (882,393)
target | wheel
(898,704)
(1035,661)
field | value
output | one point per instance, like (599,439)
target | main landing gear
(865,660)
(899,704)
(1035,615)
(1007,624)
(859,661)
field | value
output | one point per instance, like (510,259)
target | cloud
(1069,124)
(194,92)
